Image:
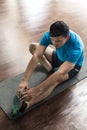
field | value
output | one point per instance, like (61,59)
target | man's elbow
(60,75)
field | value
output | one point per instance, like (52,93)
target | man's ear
(68,36)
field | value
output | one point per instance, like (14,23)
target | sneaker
(18,106)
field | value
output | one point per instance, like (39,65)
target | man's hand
(31,94)
(23,86)
(35,95)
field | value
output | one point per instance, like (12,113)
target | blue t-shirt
(72,50)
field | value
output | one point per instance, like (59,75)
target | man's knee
(32,47)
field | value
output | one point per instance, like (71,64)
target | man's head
(59,33)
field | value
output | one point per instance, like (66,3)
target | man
(66,53)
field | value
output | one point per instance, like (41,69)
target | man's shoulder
(75,38)
(45,40)
(73,35)
(47,34)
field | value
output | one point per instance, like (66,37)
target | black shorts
(56,63)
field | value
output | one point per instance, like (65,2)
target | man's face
(59,41)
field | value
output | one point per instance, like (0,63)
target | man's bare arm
(34,61)
(23,86)
(44,89)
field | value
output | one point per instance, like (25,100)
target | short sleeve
(74,55)
(45,40)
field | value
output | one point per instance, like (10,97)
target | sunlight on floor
(33,11)
(73,6)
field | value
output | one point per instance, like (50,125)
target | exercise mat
(9,87)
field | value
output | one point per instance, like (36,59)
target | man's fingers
(25,96)
(24,93)
(21,90)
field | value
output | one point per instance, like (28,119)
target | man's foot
(18,106)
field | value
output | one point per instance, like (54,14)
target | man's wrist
(24,79)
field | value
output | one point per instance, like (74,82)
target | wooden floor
(22,22)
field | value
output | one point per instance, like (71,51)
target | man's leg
(42,93)
(47,57)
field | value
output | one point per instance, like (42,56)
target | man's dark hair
(59,28)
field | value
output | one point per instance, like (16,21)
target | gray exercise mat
(9,87)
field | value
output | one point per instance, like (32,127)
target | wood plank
(22,22)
